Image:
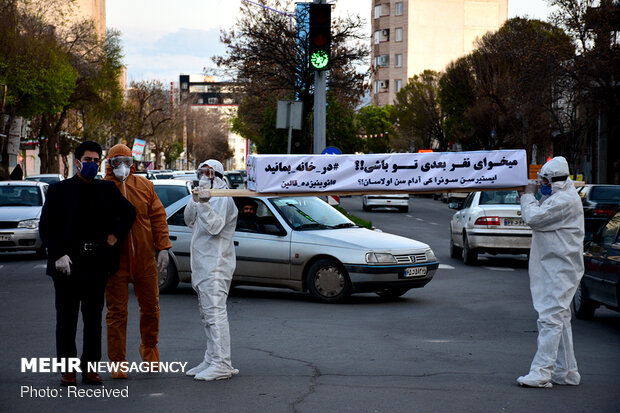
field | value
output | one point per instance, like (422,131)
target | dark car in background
(599,204)
(601,257)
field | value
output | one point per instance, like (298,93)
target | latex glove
(204,194)
(63,264)
(162,261)
(531,189)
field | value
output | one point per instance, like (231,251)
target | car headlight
(430,256)
(29,223)
(379,258)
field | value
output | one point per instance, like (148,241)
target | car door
(602,263)
(180,237)
(265,254)
(460,219)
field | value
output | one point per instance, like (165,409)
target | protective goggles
(207,172)
(121,160)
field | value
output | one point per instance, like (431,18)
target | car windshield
(308,213)
(46,179)
(236,178)
(20,196)
(169,194)
(499,198)
(605,193)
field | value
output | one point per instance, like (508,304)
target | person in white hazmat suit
(213,222)
(555,269)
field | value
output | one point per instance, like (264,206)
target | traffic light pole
(320,105)
(320,101)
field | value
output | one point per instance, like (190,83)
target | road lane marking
(434,223)
(445,267)
(420,219)
(409,216)
(498,269)
(40,266)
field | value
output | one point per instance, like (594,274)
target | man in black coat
(82,222)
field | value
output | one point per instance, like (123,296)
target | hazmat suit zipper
(133,251)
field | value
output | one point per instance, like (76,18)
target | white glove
(204,194)
(531,188)
(162,260)
(63,264)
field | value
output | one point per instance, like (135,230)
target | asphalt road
(456,345)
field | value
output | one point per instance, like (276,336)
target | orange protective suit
(137,266)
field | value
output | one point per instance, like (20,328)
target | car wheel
(392,293)
(168,280)
(455,252)
(328,281)
(583,307)
(365,207)
(403,209)
(470,255)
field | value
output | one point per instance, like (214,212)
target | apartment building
(410,36)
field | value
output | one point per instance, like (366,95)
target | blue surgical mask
(89,170)
(545,190)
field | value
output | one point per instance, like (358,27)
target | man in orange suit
(144,252)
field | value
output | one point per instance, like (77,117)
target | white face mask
(122,172)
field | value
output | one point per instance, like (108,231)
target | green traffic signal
(319,59)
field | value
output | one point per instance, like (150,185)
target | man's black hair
(87,146)
(250,202)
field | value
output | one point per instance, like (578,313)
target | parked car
(306,245)
(600,283)
(451,197)
(20,210)
(599,204)
(234,179)
(399,201)
(47,178)
(170,191)
(488,222)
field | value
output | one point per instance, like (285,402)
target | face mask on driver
(122,172)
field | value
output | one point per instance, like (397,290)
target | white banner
(411,172)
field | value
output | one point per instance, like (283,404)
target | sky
(163,38)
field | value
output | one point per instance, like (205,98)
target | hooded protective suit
(213,263)
(555,269)
(137,266)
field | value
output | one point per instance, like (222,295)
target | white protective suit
(213,263)
(555,269)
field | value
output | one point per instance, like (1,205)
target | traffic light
(320,36)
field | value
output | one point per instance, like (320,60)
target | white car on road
(488,222)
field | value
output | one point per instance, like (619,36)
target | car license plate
(415,272)
(6,237)
(514,222)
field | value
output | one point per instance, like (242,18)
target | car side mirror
(454,205)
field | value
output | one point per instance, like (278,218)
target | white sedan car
(399,201)
(20,210)
(304,244)
(488,222)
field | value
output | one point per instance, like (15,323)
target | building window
(399,34)
(377,11)
(398,85)
(399,60)
(378,37)
(184,86)
(399,8)
(381,86)
(382,60)
(212,101)
(200,101)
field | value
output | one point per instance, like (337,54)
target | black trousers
(80,290)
